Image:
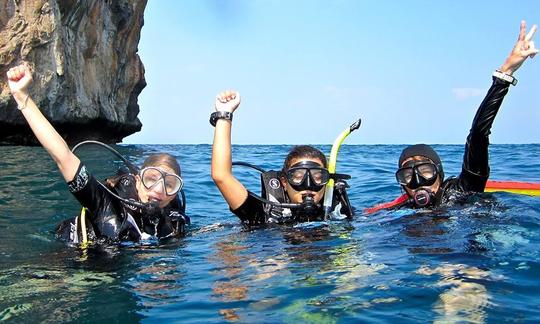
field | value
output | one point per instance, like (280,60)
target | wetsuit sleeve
(475,169)
(251,211)
(87,190)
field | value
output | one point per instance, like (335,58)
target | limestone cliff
(87,73)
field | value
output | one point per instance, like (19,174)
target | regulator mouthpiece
(423,197)
(309,207)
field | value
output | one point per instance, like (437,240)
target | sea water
(477,262)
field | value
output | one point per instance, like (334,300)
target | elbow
(220,173)
(218,177)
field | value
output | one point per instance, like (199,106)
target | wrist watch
(505,77)
(220,115)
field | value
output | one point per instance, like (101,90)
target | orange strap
(399,200)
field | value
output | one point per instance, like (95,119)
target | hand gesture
(524,48)
(227,101)
(19,78)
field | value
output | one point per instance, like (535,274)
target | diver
(293,194)
(129,207)
(420,171)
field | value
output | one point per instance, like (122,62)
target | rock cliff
(87,73)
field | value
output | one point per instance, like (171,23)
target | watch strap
(220,115)
(505,77)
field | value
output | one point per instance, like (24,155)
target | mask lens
(296,176)
(173,183)
(150,177)
(404,176)
(427,171)
(319,176)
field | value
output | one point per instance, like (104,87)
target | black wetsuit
(254,212)
(111,220)
(475,168)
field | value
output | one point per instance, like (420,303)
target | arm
(475,170)
(232,190)
(19,78)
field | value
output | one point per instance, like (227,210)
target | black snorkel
(151,209)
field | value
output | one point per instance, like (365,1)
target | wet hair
(303,151)
(156,160)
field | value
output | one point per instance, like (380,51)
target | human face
(158,184)
(420,163)
(296,196)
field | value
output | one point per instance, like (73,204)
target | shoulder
(81,179)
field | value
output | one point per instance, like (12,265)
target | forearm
(48,137)
(222,151)
(476,149)
(231,189)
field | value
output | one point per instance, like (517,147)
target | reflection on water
(464,298)
(476,262)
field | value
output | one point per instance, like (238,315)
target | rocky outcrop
(87,73)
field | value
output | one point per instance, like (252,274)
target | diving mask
(152,176)
(416,174)
(307,175)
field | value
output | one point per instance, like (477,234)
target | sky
(413,71)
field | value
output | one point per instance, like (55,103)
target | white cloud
(467,93)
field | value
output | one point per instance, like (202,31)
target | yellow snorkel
(84,240)
(329,190)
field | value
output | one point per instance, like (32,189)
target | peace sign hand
(523,49)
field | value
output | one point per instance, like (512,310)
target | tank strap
(394,203)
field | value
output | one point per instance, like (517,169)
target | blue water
(472,263)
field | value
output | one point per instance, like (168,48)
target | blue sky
(414,71)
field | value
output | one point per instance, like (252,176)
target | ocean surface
(476,263)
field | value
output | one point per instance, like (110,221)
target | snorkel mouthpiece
(423,197)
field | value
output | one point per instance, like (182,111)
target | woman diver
(293,194)
(420,172)
(130,207)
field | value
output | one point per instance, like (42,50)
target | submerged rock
(87,73)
